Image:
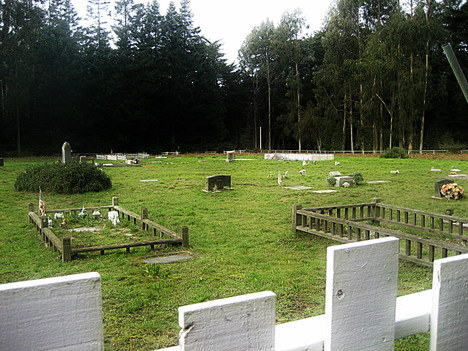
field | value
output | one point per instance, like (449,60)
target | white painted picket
(362,311)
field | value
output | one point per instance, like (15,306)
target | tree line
(374,77)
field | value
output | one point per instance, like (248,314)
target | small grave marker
(230,156)
(66,152)
(343,179)
(324,191)
(439,184)
(378,181)
(334,174)
(218,182)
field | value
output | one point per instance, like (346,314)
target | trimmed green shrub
(331,180)
(394,152)
(70,178)
(358,178)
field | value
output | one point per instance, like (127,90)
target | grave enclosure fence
(65,245)
(444,235)
(362,310)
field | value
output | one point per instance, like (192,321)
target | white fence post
(238,323)
(449,317)
(361,294)
(62,313)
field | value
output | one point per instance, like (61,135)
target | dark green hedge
(62,178)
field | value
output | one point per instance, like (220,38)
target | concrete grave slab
(168,259)
(298,187)
(325,191)
(149,180)
(343,179)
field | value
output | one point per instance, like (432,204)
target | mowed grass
(242,238)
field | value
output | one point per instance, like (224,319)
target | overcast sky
(230,21)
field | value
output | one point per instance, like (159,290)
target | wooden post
(184,231)
(144,215)
(375,210)
(30,209)
(115,201)
(295,217)
(66,250)
(44,222)
(244,323)
(449,317)
(360,312)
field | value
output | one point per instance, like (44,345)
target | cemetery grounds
(241,238)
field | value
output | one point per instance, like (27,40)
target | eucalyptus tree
(257,54)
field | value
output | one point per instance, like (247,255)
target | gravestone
(218,182)
(1,162)
(66,153)
(334,174)
(230,156)
(439,184)
(343,179)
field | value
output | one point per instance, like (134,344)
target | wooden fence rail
(344,224)
(65,247)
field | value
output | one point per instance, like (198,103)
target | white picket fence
(362,310)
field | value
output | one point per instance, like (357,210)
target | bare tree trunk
(361,118)
(351,135)
(269,106)
(343,145)
(298,108)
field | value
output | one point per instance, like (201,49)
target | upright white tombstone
(66,152)
(361,294)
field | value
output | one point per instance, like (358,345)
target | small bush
(331,180)
(394,152)
(62,178)
(358,178)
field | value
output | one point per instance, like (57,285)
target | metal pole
(260,138)
(452,59)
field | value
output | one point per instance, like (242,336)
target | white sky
(230,21)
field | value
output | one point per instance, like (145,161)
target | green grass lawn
(241,238)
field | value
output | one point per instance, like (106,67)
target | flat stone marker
(436,170)
(378,181)
(334,174)
(85,229)
(168,259)
(458,176)
(149,180)
(325,191)
(298,187)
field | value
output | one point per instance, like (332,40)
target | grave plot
(426,236)
(75,231)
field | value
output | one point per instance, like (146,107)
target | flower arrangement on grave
(452,191)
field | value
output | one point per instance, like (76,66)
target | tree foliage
(374,77)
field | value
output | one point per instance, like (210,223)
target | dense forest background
(374,77)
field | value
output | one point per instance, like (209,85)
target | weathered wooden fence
(362,310)
(343,223)
(64,245)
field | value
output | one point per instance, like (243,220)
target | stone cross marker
(66,153)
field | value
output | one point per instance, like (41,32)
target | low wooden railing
(343,223)
(64,245)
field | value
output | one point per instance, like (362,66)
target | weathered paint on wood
(449,319)
(62,313)
(361,293)
(244,323)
